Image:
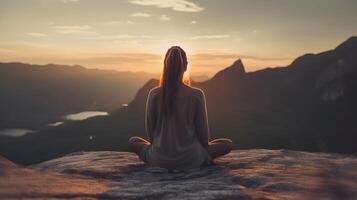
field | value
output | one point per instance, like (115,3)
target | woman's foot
(136,144)
(219,147)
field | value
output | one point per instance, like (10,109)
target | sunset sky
(134,34)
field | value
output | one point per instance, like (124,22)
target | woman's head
(175,65)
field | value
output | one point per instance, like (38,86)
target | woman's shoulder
(197,91)
(154,91)
(187,91)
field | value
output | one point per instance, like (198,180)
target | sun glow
(187,76)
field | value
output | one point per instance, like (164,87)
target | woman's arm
(149,117)
(201,120)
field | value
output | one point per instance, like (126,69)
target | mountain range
(308,105)
(35,95)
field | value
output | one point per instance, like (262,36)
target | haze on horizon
(134,34)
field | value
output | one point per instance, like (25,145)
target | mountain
(308,105)
(242,174)
(35,95)
(231,72)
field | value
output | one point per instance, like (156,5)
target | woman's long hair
(172,76)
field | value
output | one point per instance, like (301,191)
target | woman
(176,122)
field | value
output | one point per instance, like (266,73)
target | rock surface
(242,174)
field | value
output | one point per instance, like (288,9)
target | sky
(133,35)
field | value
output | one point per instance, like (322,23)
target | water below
(15,132)
(55,123)
(84,115)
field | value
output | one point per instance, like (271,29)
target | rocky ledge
(242,174)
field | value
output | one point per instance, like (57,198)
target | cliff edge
(242,174)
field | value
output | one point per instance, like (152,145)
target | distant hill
(34,95)
(309,105)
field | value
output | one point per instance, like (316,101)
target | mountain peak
(349,45)
(237,66)
(236,69)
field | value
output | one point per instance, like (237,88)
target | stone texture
(242,174)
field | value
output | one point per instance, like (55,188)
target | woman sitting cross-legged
(176,122)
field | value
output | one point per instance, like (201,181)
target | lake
(85,115)
(15,132)
(79,116)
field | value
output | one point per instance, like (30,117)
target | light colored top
(178,142)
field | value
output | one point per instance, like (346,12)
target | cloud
(107,37)
(255,32)
(198,37)
(193,22)
(222,56)
(84,29)
(117,37)
(210,63)
(37,34)
(125,58)
(140,14)
(4,51)
(177,5)
(164,18)
(146,62)
(69,1)
(25,44)
(113,23)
